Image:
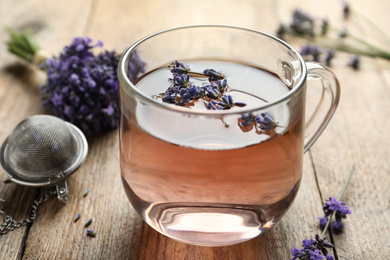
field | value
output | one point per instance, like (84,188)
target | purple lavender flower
(329,57)
(211,91)
(246,120)
(266,121)
(213,74)
(312,249)
(308,242)
(346,10)
(82,88)
(316,255)
(311,50)
(182,80)
(302,23)
(333,204)
(281,31)
(340,209)
(222,84)
(323,221)
(179,68)
(355,62)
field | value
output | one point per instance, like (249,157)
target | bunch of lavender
(317,31)
(183,92)
(317,249)
(81,87)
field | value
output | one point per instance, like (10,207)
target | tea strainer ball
(43,150)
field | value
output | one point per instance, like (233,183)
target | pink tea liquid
(201,182)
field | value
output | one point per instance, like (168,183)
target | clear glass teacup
(216,176)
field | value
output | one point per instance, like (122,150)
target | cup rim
(122,76)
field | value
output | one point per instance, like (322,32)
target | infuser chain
(11,224)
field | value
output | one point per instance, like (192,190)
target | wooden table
(358,135)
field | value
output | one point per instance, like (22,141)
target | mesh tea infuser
(41,151)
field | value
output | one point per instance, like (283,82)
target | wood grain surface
(357,135)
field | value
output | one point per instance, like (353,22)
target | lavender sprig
(317,249)
(305,26)
(339,204)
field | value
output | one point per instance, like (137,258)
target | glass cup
(218,177)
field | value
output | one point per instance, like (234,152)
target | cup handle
(327,104)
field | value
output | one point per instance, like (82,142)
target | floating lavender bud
(211,106)
(77,217)
(182,80)
(226,100)
(240,104)
(266,121)
(211,91)
(213,74)
(246,120)
(179,68)
(88,222)
(91,233)
(169,98)
(222,84)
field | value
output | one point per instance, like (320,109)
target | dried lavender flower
(346,10)
(354,62)
(302,23)
(266,121)
(77,217)
(91,233)
(213,74)
(312,51)
(86,192)
(88,222)
(281,31)
(305,26)
(329,57)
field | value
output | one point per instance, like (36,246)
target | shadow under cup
(214,177)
